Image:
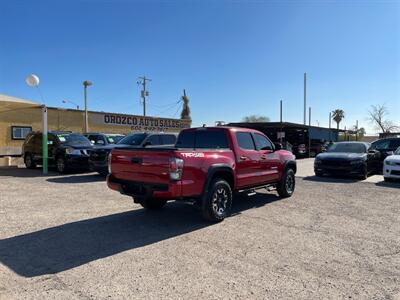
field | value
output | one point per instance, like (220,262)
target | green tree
(338,116)
(255,119)
(185,114)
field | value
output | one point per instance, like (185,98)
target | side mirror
(390,153)
(278,146)
(373,152)
(147,143)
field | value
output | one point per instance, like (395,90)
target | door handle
(263,157)
(244,157)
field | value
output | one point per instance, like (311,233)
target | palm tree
(338,116)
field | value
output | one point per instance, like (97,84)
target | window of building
(20,132)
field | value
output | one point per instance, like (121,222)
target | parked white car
(391,166)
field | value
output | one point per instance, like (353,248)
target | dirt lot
(69,237)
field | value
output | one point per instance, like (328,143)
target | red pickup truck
(206,166)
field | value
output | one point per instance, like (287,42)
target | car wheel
(287,185)
(61,165)
(217,202)
(103,173)
(364,174)
(387,179)
(319,174)
(28,160)
(152,204)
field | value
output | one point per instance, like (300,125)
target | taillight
(175,168)
(109,163)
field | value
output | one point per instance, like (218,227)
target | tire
(319,174)
(387,179)
(152,204)
(103,173)
(217,202)
(287,185)
(364,174)
(61,165)
(28,160)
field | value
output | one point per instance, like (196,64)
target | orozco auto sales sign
(140,123)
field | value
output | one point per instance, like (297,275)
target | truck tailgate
(141,165)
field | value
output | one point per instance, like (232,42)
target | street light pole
(86,83)
(45,152)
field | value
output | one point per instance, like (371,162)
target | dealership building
(18,117)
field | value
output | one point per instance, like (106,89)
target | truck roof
(227,128)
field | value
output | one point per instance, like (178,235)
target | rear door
(268,161)
(247,157)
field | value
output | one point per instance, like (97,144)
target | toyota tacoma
(207,167)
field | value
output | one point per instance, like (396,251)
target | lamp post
(86,83)
(33,81)
(68,101)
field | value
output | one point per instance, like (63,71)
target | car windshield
(397,152)
(73,139)
(133,139)
(347,148)
(113,139)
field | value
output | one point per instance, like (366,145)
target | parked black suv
(103,138)
(98,157)
(67,150)
(386,147)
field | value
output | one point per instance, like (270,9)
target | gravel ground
(69,237)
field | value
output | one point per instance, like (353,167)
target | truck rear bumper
(170,191)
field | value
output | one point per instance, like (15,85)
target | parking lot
(71,237)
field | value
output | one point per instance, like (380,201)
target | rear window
(203,139)
(211,139)
(186,139)
(245,140)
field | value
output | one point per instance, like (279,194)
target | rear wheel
(217,202)
(28,160)
(286,186)
(152,204)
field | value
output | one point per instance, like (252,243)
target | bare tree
(255,119)
(377,115)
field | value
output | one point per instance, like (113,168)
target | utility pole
(330,119)
(305,98)
(309,135)
(86,83)
(144,92)
(281,118)
(357,130)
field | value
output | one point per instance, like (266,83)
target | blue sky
(234,58)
